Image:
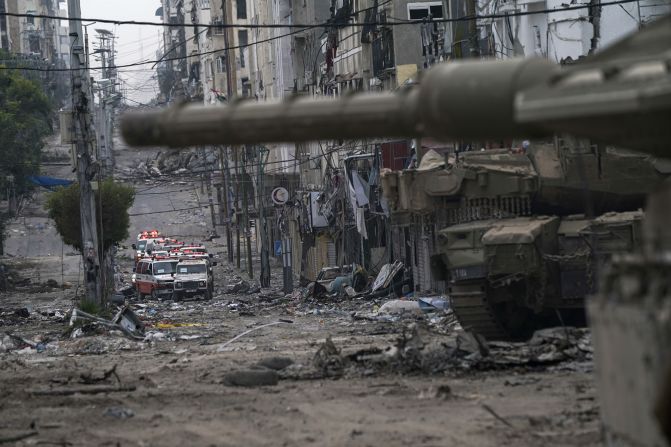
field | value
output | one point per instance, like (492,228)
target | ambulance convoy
(166,268)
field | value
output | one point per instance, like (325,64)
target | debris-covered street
(394,382)
(260,367)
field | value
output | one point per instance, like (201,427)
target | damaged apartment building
(350,202)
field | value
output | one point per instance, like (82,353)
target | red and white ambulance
(155,277)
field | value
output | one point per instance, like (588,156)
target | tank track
(474,312)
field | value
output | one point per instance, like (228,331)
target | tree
(63,208)
(25,119)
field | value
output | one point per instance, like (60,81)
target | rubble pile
(171,162)
(418,351)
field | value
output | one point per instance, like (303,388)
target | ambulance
(194,277)
(143,239)
(155,277)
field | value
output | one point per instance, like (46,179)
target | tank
(518,248)
(620,97)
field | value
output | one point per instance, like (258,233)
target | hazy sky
(134,43)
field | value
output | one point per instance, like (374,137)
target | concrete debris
(400,307)
(239,287)
(436,392)
(413,353)
(328,360)
(472,343)
(171,162)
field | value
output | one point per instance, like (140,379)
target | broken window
(221,64)
(419,11)
(243,42)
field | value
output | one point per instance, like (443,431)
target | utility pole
(231,91)
(85,165)
(210,200)
(223,162)
(237,206)
(264,278)
(245,214)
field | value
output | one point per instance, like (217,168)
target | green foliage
(25,119)
(63,208)
(90,307)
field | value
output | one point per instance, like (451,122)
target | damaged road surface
(300,375)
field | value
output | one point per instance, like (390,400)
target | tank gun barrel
(621,96)
(442,106)
(297,119)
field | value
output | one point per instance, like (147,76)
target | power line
(325,24)
(307,27)
(135,64)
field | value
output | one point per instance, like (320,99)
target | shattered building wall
(563,36)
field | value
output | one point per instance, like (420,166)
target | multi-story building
(30,36)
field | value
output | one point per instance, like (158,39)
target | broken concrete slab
(400,307)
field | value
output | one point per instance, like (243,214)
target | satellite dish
(280,196)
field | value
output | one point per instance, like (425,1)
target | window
(191,268)
(218,30)
(419,11)
(221,64)
(241,6)
(243,42)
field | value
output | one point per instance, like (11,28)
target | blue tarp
(49,182)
